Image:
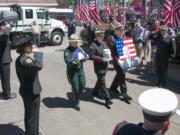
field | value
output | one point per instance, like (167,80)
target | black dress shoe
(76,107)
(11,96)
(108,103)
(115,91)
(125,97)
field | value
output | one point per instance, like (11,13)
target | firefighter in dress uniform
(28,64)
(119,79)
(74,58)
(5,60)
(158,105)
(163,53)
(100,67)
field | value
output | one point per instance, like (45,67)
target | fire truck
(52,30)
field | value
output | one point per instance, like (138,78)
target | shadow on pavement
(9,129)
(86,96)
(1,95)
(151,80)
(57,102)
(141,82)
(143,78)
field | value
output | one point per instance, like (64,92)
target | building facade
(59,3)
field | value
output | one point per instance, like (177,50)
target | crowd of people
(154,43)
(100,47)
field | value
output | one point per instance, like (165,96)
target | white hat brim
(158,101)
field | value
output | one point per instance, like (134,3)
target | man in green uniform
(74,57)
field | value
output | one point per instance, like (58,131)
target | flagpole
(124,4)
(145,5)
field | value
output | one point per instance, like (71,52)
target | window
(40,14)
(29,13)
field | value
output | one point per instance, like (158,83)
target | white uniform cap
(158,102)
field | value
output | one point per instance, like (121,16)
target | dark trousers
(31,118)
(119,79)
(78,82)
(36,40)
(161,70)
(5,78)
(100,87)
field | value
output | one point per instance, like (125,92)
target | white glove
(119,62)
(80,56)
(105,60)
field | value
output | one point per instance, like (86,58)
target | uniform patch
(29,61)
(66,54)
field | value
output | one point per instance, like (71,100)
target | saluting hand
(35,48)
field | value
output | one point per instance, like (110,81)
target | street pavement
(57,117)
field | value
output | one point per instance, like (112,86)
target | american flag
(82,11)
(115,8)
(176,13)
(78,11)
(149,10)
(142,15)
(121,15)
(94,12)
(107,11)
(127,53)
(168,4)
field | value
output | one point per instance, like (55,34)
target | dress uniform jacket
(27,71)
(164,48)
(5,48)
(97,54)
(132,129)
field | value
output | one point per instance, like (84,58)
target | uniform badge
(29,61)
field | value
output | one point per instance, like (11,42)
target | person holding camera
(27,69)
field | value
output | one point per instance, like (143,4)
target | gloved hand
(80,56)
(104,60)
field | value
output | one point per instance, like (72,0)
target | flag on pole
(78,11)
(122,16)
(176,13)
(127,53)
(84,11)
(115,8)
(107,11)
(81,12)
(168,7)
(142,15)
(149,11)
(94,12)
